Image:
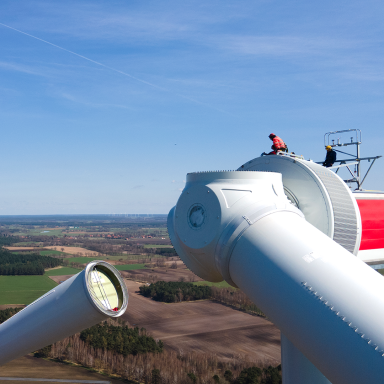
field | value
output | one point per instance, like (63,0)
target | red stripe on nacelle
(372,219)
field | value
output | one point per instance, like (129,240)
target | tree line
(25,264)
(172,292)
(235,298)
(121,339)
(8,239)
(168,367)
(5,314)
(165,251)
(90,350)
(117,246)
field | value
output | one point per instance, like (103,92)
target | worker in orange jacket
(278,145)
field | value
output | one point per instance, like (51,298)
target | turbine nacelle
(213,209)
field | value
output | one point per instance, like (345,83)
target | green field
(83,260)
(129,267)
(86,260)
(62,271)
(157,246)
(221,284)
(51,252)
(23,289)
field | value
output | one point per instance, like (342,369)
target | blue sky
(183,86)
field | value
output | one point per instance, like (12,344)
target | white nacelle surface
(327,303)
(322,196)
(206,208)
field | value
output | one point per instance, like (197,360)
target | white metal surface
(247,189)
(327,302)
(371,255)
(320,194)
(366,195)
(65,310)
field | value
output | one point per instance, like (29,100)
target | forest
(102,347)
(168,367)
(173,292)
(121,339)
(8,240)
(25,264)
(255,375)
(5,314)
(166,251)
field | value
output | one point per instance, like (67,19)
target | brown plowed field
(32,367)
(163,274)
(69,250)
(60,278)
(204,326)
(75,250)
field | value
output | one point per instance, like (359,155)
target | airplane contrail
(85,58)
(116,70)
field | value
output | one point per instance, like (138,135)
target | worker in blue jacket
(330,158)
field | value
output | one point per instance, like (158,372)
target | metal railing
(354,160)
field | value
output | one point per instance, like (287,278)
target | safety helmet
(272,135)
(328,147)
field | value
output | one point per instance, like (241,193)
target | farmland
(51,252)
(23,289)
(81,260)
(162,273)
(139,250)
(86,260)
(204,326)
(129,267)
(32,367)
(62,271)
(73,250)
